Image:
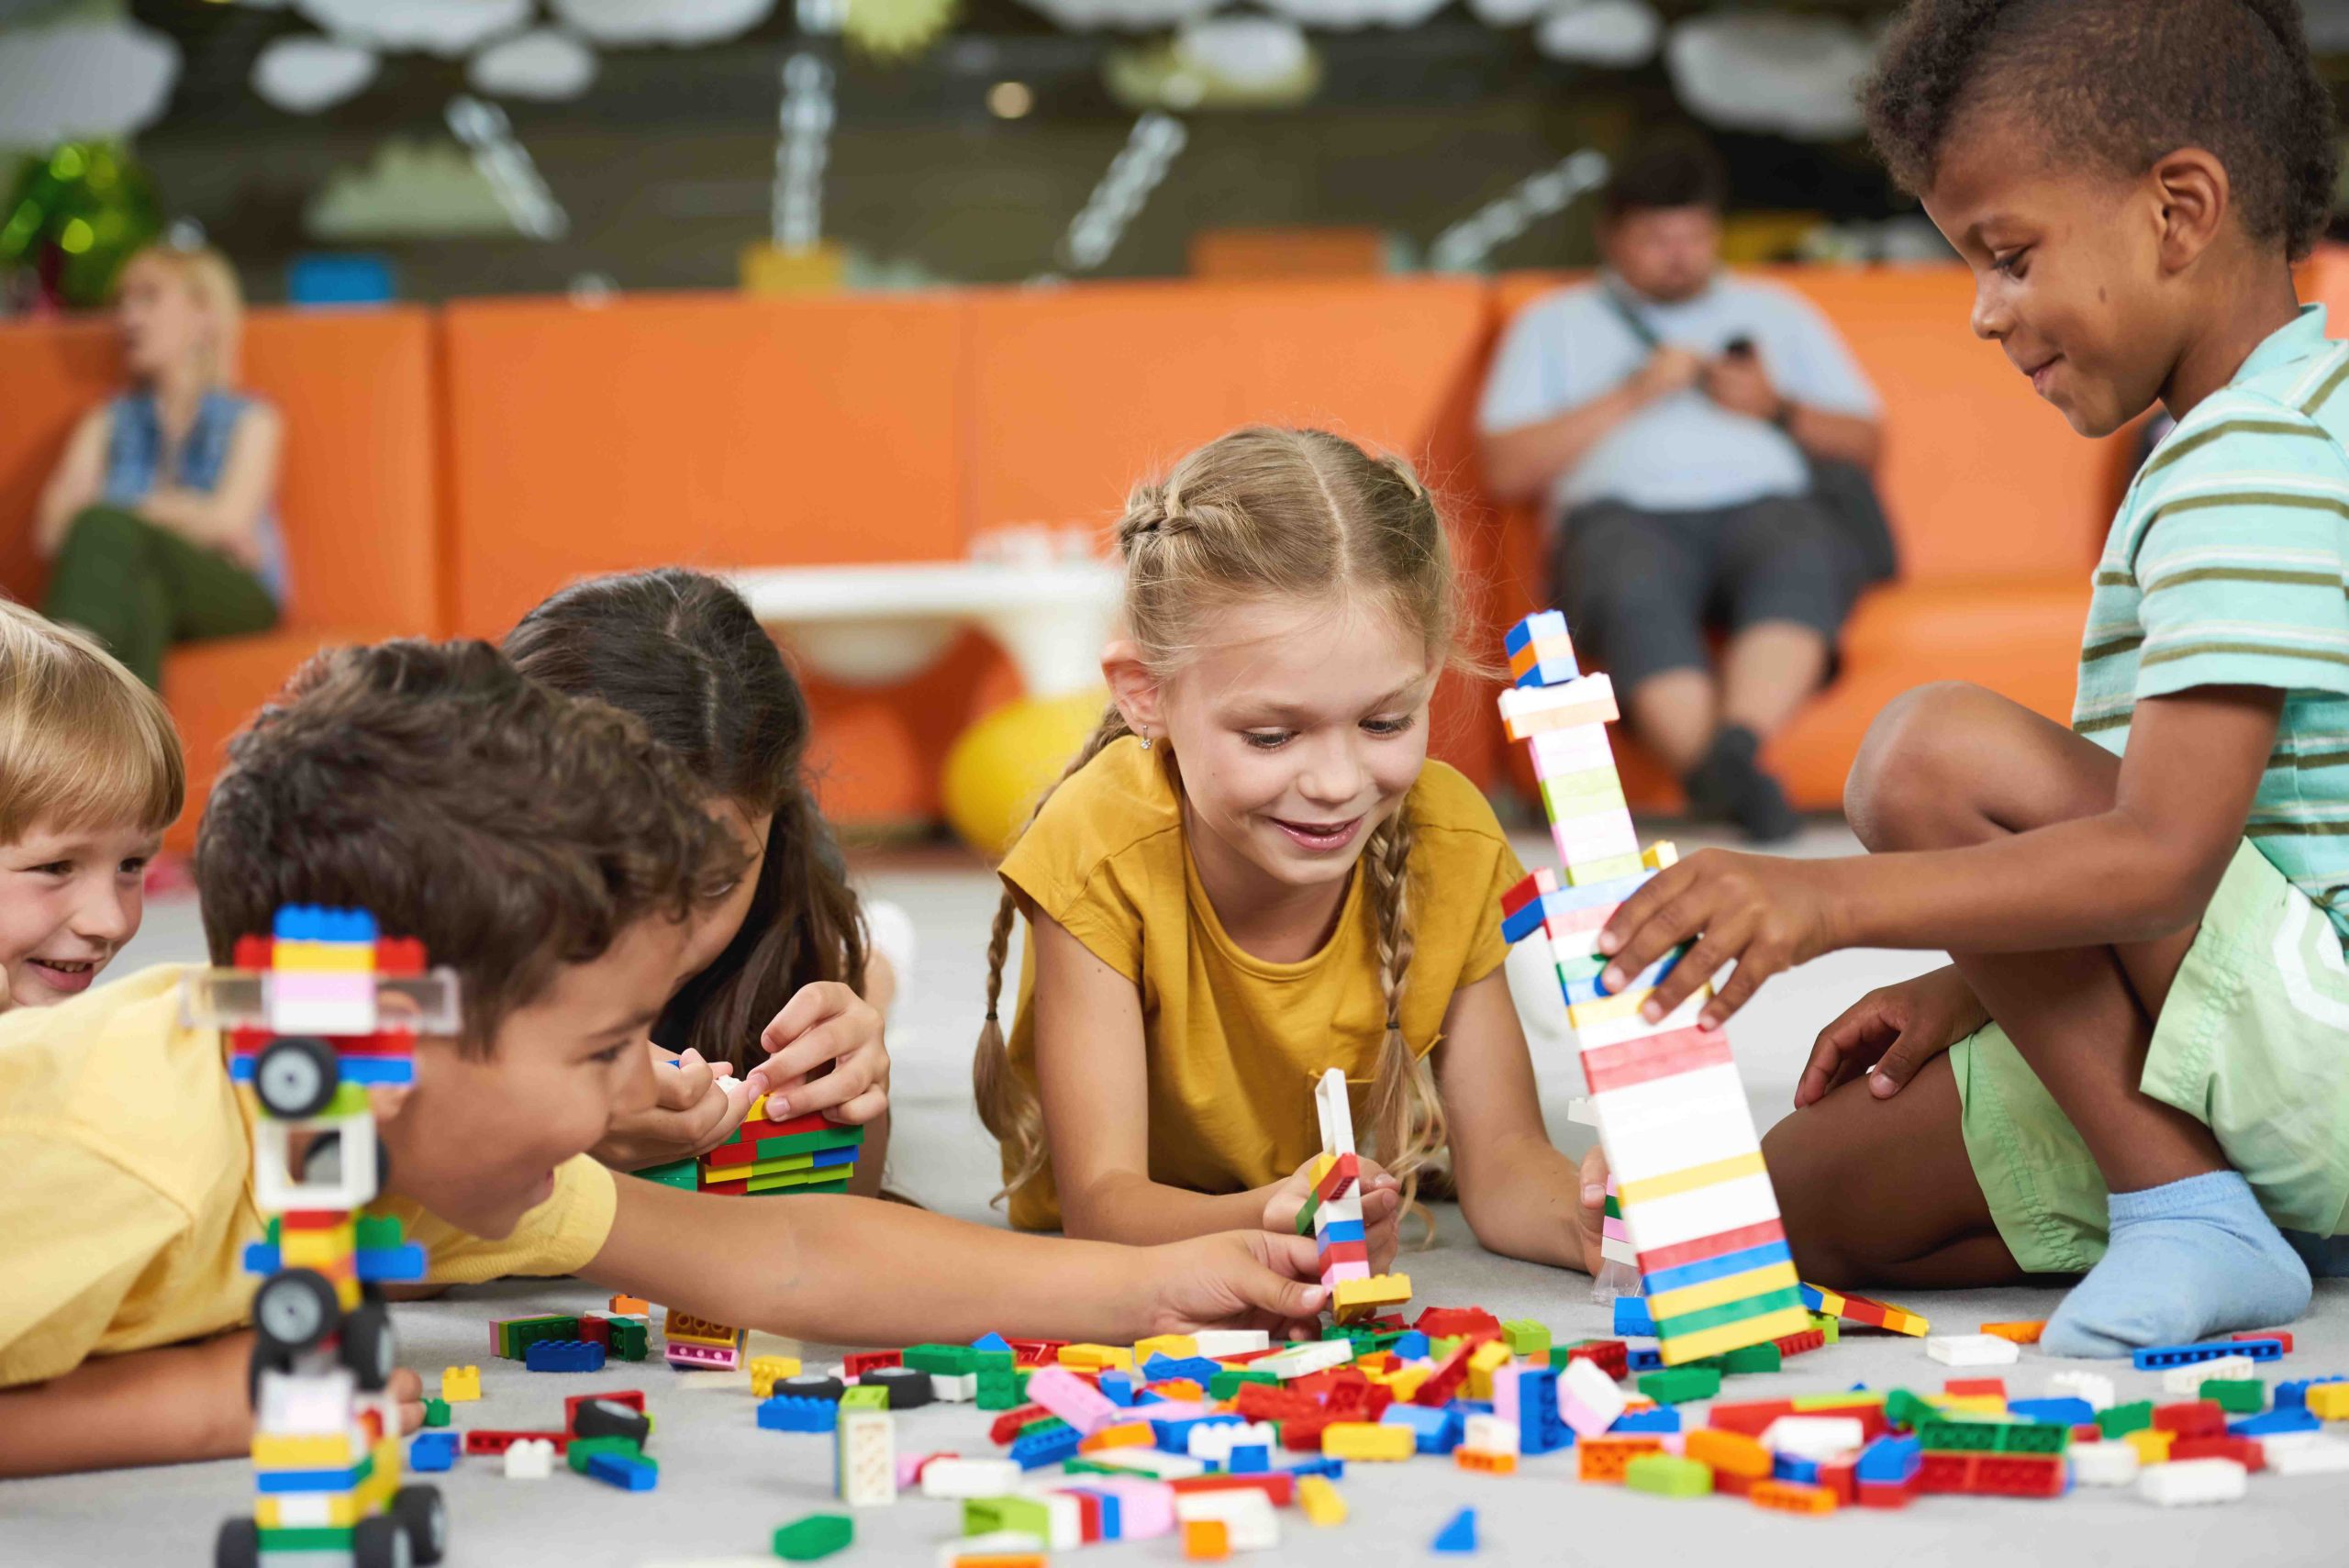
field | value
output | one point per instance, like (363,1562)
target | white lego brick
(1215,1443)
(1305,1358)
(1573,946)
(1588,1400)
(2183,1482)
(2107,1463)
(866,1463)
(1819,1438)
(2092,1386)
(529,1458)
(1972,1350)
(1581,840)
(1631,1026)
(995,1544)
(1216,1343)
(1344,1210)
(1246,1513)
(306,1404)
(1588,703)
(2187,1381)
(954,1390)
(1336,1112)
(1708,1211)
(1669,1124)
(306,1510)
(2317,1453)
(1615,1250)
(954,1477)
(1557,752)
(1490,1434)
(345,1179)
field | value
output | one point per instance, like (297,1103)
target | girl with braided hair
(1252,872)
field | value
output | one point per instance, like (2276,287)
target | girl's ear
(1132,687)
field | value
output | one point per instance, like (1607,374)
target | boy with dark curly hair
(2132,1066)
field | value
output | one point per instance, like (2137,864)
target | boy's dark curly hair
(2121,82)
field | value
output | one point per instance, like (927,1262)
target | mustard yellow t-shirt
(1236,1044)
(125,1186)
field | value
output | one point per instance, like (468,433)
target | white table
(875,625)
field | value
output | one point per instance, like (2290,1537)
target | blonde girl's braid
(1407,1117)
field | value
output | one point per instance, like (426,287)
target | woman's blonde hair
(82,742)
(1266,512)
(206,274)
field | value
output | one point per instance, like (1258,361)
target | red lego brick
(1656,1260)
(1343,1177)
(1751,1416)
(1007,1425)
(2191,1418)
(251,952)
(1036,1353)
(2280,1335)
(1345,1252)
(1613,1357)
(596,1331)
(1444,1383)
(1877,1494)
(2245,1452)
(1974,1385)
(484,1439)
(864,1361)
(1841,1477)
(1797,1344)
(1993,1475)
(1450,1322)
(1263,1402)
(1088,1516)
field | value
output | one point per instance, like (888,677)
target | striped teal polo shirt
(2228,566)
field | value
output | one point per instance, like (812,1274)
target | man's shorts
(2254,1043)
(1639,588)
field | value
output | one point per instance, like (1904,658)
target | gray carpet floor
(725,1485)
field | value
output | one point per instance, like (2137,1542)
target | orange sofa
(357,499)
(1998,505)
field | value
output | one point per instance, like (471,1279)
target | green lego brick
(999,1390)
(685,1173)
(1905,1409)
(985,1361)
(1944,1435)
(942,1361)
(808,1142)
(1227,1383)
(1763,1357)
(1612,869)
(1305,1213)
(1728,1312)
(825,1181)
(1044,1424)
(581,1450)
(631,1341)
(2122,1419)
(1526,1338)
(350,1099)
(1669,1475)
(1679,1384)
(866,1398)
(817,1535)
(2236,1396)
(436,1411)
(985,1516)
(523,1332)
(1440,1349)
(318,1538)
(376,1232)
(1833,1328)
(1613,1207)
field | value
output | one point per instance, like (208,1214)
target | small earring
(1144,735)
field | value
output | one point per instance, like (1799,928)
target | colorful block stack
(1332,1214)
(696,1344)
(799,1154)
(1696,1203)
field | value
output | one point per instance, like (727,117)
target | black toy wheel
(610,1419)
(266,1357)
(295,1308)
(295,1077)
(424,1518)
(367,1347)
(238,1545)
(810,1385)
(379,1542)
(908,1387)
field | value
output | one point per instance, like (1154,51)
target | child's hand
(826,1024)
(1241,1279)
(1382,1208)
(1891,1032)
(1593,1217)
(1761,912)
(696,1106)
(408,1389)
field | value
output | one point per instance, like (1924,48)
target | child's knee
(1814,1204)
(1909,788)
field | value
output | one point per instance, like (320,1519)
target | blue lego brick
(1891,1459)
(1334,1469)
(1787,1467)
(1111,1515)
(1517,924)
(1432,1430)
(2064,1412)
(2295,1394)
(1643,1358)
(262,1258)
(1631,1316)
(1706,1270)
(2154,1358)
(1663,1418)
(827,1157)
(2275,1423)
(311,923)
(393,1264)
(428,1452)
(627,1475)
(565,1355)
(991,1342)
(1198,1369)
(339,1480)
(1459,1536)
(1339,1230)
(1412,1347)
(1121,1388)
(783,1413)
(1540,623)
(1175,1437)
(1249,1459)
(377,1071)
(1039,1448)
(1540,1429)
(1592,989)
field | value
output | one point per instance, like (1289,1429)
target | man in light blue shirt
(1678,424)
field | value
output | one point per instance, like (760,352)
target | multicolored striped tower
(1697,1208)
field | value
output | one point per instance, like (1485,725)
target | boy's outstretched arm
(854,1271)
(2142,868)
(167,1405)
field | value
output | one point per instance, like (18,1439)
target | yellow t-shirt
(125,1186)
(1236,1044)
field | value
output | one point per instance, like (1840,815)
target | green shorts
(2254,1043)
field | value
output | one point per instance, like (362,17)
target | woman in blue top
(159,518)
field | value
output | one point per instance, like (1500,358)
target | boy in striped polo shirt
(2134,1067)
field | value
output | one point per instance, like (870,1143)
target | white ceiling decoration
(83,78)
(1797,76)
(545,63)
(304,76)
(1245,52)
(681,22)
(409,190)
(446,27)
(1618,33)
(1346,15)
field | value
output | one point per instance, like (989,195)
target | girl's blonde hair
(206,274)
(82,742)
(1265,512)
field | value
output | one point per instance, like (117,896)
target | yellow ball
(1005,763)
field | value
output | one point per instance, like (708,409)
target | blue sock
(2187,1261)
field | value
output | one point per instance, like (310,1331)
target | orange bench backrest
(357,495)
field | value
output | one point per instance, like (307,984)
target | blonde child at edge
(1253,873)
(90,776)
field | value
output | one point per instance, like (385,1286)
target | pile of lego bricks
(799,1154)
(602,1437)
(562,1343)
(1689,1203)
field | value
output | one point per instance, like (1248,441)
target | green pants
(139,588)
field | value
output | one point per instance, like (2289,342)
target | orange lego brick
(2024,1333)
(1207,1540)
(1792,1497)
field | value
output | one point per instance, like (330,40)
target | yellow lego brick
(343,1509)
(1613,868)
(1178,1347)
(1320,1501)
(1320,1168)
(1968,1404)
(323,1451)
(1718,1292)
(1733,1336)
(2329,1401)
(459,1383)
(1367,1441)
(1661,853)
(1353,1299)
(768,1371)
(1854,1399)
(320,1250)
(693,1330)
(1909,1323)
(1831,1304)
(1096,1357)
(1486,1360)
(2151,1444)
(1609,1008)
(1710,1173)
(1404,1382)
(322,958)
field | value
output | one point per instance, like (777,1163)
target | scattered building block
(532,1458)
(816,1535)
(2185,1482)
(2104,1463)
(1668,1475)
(460,1385)
(1459,1536)
(1971,1350)
(2021,1333)
(1324,1506)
